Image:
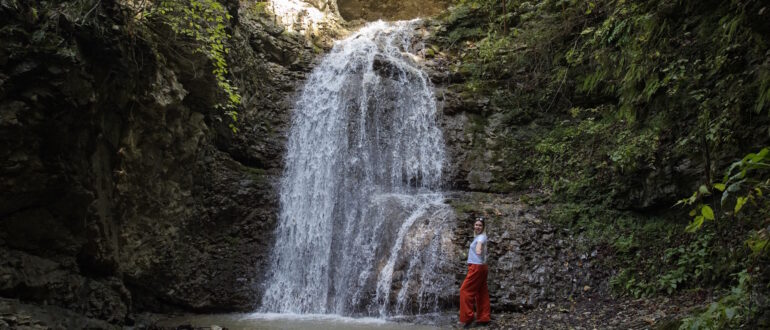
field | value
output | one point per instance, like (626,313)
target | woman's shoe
(464,325)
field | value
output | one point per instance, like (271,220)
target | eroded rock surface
(123,188)
(531,263)
(390,10)
(17,315)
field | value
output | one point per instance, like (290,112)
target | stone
(122,187)
(524,271)
(390,10)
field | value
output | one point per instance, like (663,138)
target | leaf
(587,31)
(730,312)
(719,186)
(735,186)
(696,224)
(760,156)
(703,189)
(707,212)
(758,242)
(724,198)
(693,197)
(740,202)
(692,213)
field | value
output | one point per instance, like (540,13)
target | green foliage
(677,267)
(556,148)
(652,256)
(603,100)
(259,7)
(656,72)
(637,54)
(611,147)
(764,91)
(732,311)
(598,94)
(741,182)
(205,22)
(590,222)
(625,244)
(758,243)
(692,261)
(744,181)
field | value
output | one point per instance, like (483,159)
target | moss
(259,9)
(232,241)
(616,111)
(255,173)
(653,255)
(617,81)
(503,187)
(462,208)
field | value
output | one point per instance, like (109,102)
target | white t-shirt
(474,258)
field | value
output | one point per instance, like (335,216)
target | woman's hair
(483,222)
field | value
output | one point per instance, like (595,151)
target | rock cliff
(124,190)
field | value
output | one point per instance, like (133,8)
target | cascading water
(362,228)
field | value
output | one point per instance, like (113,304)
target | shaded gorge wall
(390,10)
(123,189)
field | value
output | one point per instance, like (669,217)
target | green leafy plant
(259,8)
(205,22)
(743,184)
(738,187)
(677,267)
(692,262)
(730,311)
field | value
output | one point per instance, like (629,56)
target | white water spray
(362,229)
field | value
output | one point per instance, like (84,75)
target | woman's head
(478,225)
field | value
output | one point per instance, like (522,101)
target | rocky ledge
(123,188)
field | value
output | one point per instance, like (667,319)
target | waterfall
(363,229)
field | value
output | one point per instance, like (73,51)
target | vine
(204,21)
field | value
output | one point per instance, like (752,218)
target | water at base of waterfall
(363,230)
(271,321)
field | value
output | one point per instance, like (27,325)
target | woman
(474,289)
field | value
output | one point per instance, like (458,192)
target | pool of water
(264,321)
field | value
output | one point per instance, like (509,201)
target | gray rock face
(530,262)
(389,10)
(470,127)
(17,315)
(123,188)
(32,278)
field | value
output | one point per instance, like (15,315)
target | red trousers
(474,291)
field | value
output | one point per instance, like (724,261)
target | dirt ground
(604,313)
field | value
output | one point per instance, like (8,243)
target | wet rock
(385,67)
(17,315)
(122,188)
(527,268)
(389,9)
(36,279)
